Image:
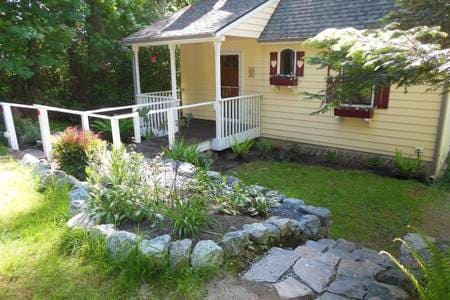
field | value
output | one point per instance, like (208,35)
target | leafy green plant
(264,146)
(434,283)
(183,151)
(374,162)
(189,217)
(330,156)
(28,130)
(241,149)
(75,149)
(120,192)
(104,127)
(3,149)
(407,167)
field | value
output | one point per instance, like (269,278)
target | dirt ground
(229,288)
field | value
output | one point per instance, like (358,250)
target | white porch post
(115,132)
(172,115)
(10,128)
(136,76)
(218,106)
(46,135)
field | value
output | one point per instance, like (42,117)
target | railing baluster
(46,136)
(115,132)
(10,127)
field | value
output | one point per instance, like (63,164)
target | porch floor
(198,131)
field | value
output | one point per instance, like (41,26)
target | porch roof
(201,20)
(299,20)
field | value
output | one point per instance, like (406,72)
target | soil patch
(229,288)
(220,224)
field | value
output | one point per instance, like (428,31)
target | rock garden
(183,215)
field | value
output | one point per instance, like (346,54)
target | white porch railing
(240,120)
(157,123)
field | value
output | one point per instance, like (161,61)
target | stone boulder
(258,233)
(207,254)
(81,220)
(186,169)
(322,213)
(77,201)
(121,243)
(418,243)
(310,227)
(291,288)
(104,229)
(179,254)
(29,160)
(294,202)
(157,247)
(234,242)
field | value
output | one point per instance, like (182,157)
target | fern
(407,167)
(241,149)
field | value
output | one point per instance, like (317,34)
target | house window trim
(294,63)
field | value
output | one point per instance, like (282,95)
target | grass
(367,208)
(41,259)
(3,149)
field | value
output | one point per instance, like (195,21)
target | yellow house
(243,73)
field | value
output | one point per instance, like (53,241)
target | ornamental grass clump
(75,149)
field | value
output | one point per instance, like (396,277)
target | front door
(229,66)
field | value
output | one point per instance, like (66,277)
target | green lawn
(365,207)
(32,264)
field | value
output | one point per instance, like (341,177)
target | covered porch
(233,117)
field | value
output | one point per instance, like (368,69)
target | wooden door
(229,66)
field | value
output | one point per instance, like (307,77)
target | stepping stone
(380,291)
(305,251)
(330,296)
(320,247)
(355,288)
(316,273)
(343,249)
(293,289)
(356,269)
(272,266)
(373,256)
(327,242)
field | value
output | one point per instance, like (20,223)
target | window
(351,90)
(287,62)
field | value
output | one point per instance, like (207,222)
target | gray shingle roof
(301,19)
(202,19)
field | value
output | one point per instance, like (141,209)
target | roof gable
(202,19)
(301,19)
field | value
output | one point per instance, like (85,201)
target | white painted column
(136,75)
(172,115)
(115,132)
(85,122)
(137,128)
(46,135)
(10,128)
(218,106)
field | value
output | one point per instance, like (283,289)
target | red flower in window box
(354,112)
(283,80)
(154,58)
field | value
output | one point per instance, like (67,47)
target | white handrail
(239,97)
(181,107)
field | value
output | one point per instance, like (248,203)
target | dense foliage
(75,149)
(70,51)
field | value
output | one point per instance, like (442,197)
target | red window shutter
(300,64)
(382,97)
(273,63)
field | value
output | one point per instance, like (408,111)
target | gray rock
(82,185)
(207,254)
(76,207)
(275,195)
(371,255)
(305,251)
(232,181)
(330,296)
(105,229)
(283,225)
(214,174)
(274,233)
(29,160)
(329,243)
(179,254)
(186,169)
(355,288)
(77,194)
(271,267)
(356,269)
(157,247)
(419,245)
(380,291)
(393,276)
(259,189)
(40,169)
(258,233)
(46,179)
(320,247)
(67,180)
(121,243)
(233,243)
(291,288)
(310,226)
(294,202)
(81,220)
(315,273)
(322,213)
(343,249)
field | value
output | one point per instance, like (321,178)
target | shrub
(264,146)
(434,283)
(120,192)
(188,217)
(28,130)
(241,149)
(104,127)
(330,157)
(75,149)
(407,167)
(183,151)
(374,162)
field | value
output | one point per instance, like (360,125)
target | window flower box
(354,112)
(283,80)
